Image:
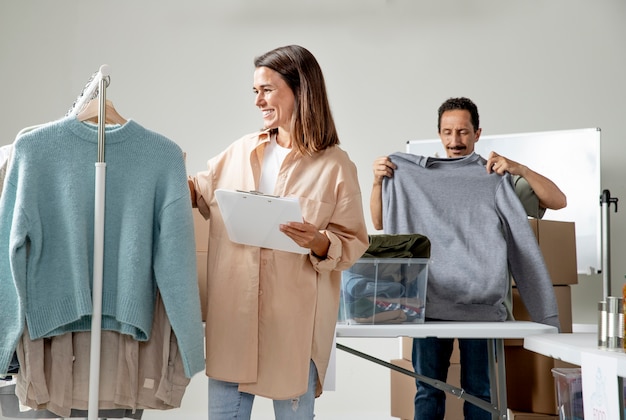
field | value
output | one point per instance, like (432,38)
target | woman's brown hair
(312,125)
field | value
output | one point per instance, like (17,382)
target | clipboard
(253,218)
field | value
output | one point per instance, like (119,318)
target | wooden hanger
(90,113)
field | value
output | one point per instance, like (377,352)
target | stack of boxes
(531,393)
(403,386)
(530,383)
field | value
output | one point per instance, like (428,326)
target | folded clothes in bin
(368,311)
(365,280)
(387,285)
(384,290)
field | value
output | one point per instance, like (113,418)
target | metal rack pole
(605,204)
(98,252)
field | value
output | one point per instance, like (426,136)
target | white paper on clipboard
(253,219)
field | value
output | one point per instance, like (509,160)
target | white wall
(184,69)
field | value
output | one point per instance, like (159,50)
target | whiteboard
(570,158)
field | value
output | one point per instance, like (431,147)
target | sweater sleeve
(12,276)
(526,262)
(527,196)
(176,277)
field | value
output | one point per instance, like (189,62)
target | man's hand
(383,167)
(549,195)
(500,165)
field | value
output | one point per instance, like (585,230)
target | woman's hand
(308,236)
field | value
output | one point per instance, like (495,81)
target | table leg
(500,362)
(493,378)
(457,392)
(620,396)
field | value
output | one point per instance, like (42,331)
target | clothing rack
(98,251)
(96,87)
(100,82)
(91,90)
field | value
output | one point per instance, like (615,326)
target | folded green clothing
(398,246)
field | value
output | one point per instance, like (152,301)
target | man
(449,216)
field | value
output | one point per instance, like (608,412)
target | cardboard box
(557,241)
(530,386)
(529,381)
(403,392)
(201,233)
(563,296)
(520,415)
(384,291)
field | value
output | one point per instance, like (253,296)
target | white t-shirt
(273,158)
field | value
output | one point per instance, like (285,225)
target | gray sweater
(478,231)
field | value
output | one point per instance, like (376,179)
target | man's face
(457,133)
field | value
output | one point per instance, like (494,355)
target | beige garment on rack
(54,372)
(6,153)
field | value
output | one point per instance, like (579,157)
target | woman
(271,314)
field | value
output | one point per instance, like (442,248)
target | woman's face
(274,98)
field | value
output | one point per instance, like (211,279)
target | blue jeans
(227,403)
(431,358)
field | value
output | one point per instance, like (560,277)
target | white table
(494,332)
(569,348)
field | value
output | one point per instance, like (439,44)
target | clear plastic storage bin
(384,291)
(569,387)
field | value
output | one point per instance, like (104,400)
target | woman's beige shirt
(270,312)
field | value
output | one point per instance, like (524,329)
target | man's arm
(549,195)
(382,167)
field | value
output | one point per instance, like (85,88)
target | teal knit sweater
(46,237)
